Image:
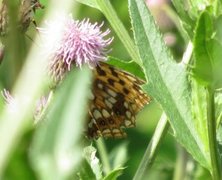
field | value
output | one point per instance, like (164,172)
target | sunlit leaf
(56,150)
(114,174)
(130,67)
(90,155)
(167,81)
(208,54)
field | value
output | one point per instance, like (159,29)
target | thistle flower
(80,42)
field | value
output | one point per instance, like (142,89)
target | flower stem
(176,20)
(211,123)
(111,15)
(181,163)
(104,156)
(149,155)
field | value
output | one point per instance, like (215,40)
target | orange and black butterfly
(117,98)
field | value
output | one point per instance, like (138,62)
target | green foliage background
(40,152)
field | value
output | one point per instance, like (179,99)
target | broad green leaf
(202,65)
(130,67)
(119,155)
(114,174)
(56,149)
(208,54)
(199,109)
(167,82)
(201,173)
(215,48)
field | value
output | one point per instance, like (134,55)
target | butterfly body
(117,98)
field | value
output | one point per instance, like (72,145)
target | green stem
(104,155)
(14,43)
(181,162)
(176,20)
(187,54)
(111,15)
(216,6)
(211,123)
(149,155)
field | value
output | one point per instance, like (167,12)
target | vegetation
(175,47)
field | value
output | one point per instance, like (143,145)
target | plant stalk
(181,163)
(211,123)
(151,151)
(104,155)
(111,15)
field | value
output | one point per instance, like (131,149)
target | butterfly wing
(117,98)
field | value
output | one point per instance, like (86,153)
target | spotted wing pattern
(116,99)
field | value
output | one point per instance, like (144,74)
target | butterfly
(25,16)
(116,99)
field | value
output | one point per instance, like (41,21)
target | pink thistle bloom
(80,42)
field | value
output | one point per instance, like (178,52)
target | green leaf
(56,149)
(85,171)
(207,52)
(90,155)
(167,81)
(218,28)
(215,48)
(201,173)
(19,166)
(114,174)
(118,156)
(202,66)
(130,67)
(218,105)
(199,110)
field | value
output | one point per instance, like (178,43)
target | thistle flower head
(80,42)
